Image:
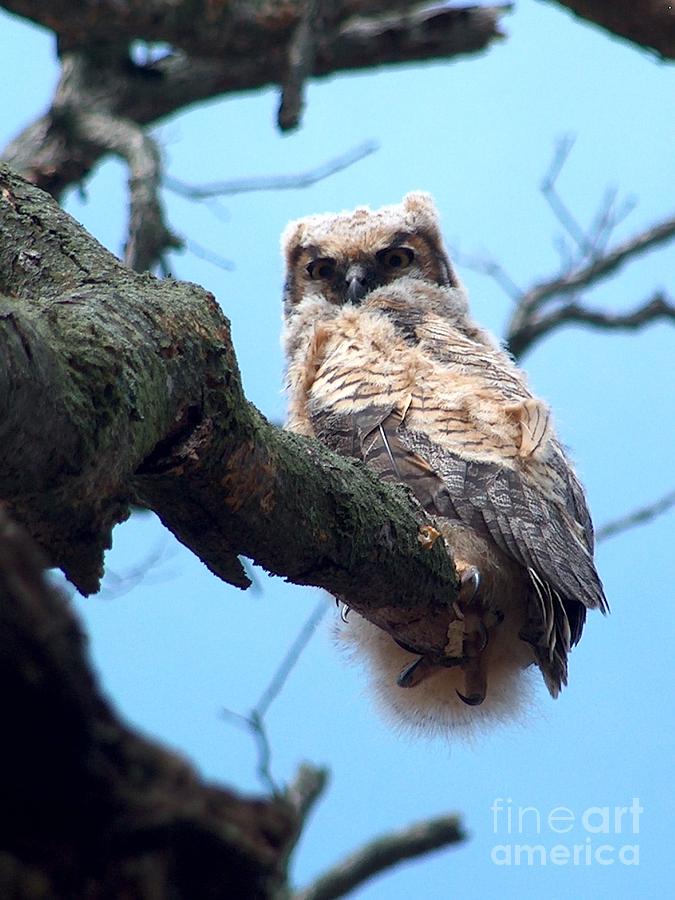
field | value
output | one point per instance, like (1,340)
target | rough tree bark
(119,387)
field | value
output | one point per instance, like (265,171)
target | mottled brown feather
(407,383)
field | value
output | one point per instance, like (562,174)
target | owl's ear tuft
(292,236)
(421,210)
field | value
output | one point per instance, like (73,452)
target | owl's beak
(359,280)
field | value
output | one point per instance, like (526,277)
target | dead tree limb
(231,47)
(383,853)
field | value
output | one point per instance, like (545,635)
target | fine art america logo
(560,836)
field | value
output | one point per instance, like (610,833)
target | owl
(384,364)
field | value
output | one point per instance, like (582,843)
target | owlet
(385,364)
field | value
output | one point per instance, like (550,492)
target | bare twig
(383,853)
(589,244)
(254,721)
(272,182)
(535,326)
(290,659)
(488,266)
(561,152)
(209,255)
(602,267)
(608,216)
(638,517)
(117,584)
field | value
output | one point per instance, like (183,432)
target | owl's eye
(396,257)
(323,268)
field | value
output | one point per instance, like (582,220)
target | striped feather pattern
(437,405)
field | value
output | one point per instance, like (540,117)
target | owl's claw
(469,610)
(415,672)
(469,583)
(475,683)
(472,700)
(344,612)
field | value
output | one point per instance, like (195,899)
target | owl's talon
(483,637)
(415,672)
(469,583)
(472,700)
(344,612)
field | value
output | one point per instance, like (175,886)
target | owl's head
(343,256)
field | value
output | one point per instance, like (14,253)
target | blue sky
(479,134)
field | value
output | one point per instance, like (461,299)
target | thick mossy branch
(120,387)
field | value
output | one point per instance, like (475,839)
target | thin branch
(602,267)
(490,267)
(222,262)
(638,517)
(561,153)
(606,219)
(293,654)
(254,721)
(272,182)
(382,854)
(116,585)
(537,326)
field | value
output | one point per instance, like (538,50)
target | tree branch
(529,320)
(272,182)
(382,854)
(301,55)
(87,803)
(255,720)
(647,23)
(637,517)
(148,237)
(118,387)
(235,47)
(539,325)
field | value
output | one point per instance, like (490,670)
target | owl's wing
(553,541)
